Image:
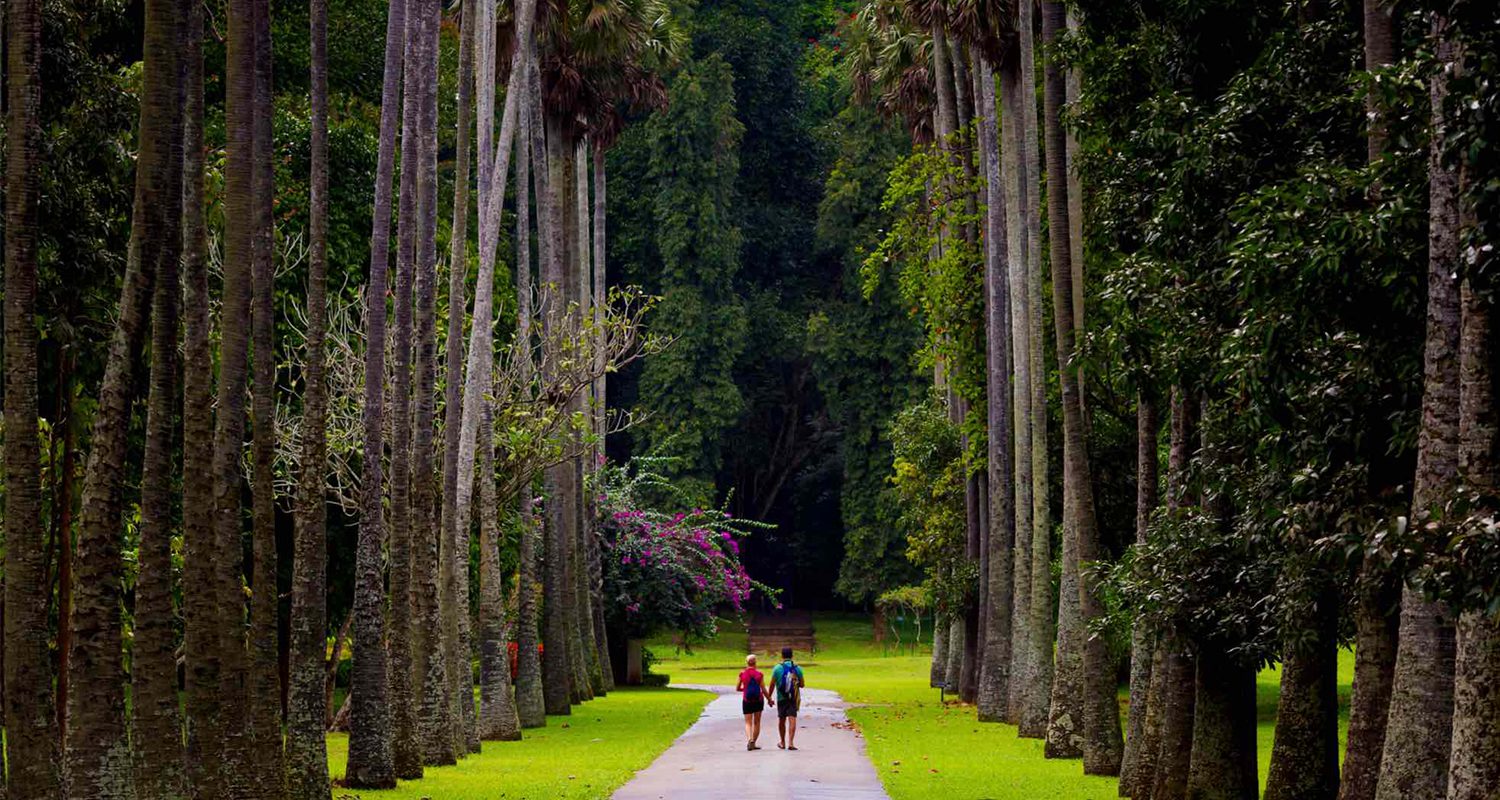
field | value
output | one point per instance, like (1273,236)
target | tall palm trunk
(98,752)
(1420,727)
(1139,759)
(585,571)
(996,673)
(408,591)
(479,368)
(306,752)
(458,268)
(567,187)
(157,730)
(229,431)
(264,694)
(601,418)
(1022,660)
(1035,713)
(370,762)
(530,706)
(498,720)
(202,617)
(29,719)
(1102,745)
(1376,617)
(1223,759)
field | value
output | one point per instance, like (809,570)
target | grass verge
(588,754)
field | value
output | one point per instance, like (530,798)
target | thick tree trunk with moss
(157,729)
(1223,752)
(1474,766)
(1138,760)
(996,674)
(1172,693)
(589,648)
(370,762)
(1305,756)
(1419,731)
(306,751)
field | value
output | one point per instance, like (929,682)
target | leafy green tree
(689,391)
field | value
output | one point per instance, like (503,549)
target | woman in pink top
(755,695)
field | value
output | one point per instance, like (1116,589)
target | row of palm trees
(572,73)
(933,65)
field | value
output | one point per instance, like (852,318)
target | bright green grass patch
(942,750)
(588,754)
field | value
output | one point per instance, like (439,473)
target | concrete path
(710,762)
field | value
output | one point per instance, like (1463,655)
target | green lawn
(586,755)
(923,748)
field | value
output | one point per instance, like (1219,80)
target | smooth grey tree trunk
(996,673)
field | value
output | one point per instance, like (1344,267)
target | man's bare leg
(781,730)
(791,733)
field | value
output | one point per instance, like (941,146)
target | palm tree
(202,607)
(157,730)
(472,24)
(239,256)
(99,762)
(996,674)
(498,719)
(370,762)
(408,590)
(265,676)
(306,752)
(29,719)
(1419,729)
(1035,710)
(530,706)
(1101,741)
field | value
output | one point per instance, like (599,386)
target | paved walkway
(710,762)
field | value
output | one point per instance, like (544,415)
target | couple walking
(788,682)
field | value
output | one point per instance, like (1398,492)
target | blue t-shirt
(782,695)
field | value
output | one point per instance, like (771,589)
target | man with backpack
(789,682)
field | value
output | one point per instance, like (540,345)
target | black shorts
(753,706)
(786,709)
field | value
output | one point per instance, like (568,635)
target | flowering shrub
(668,570)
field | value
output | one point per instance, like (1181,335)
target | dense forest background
(780,389)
